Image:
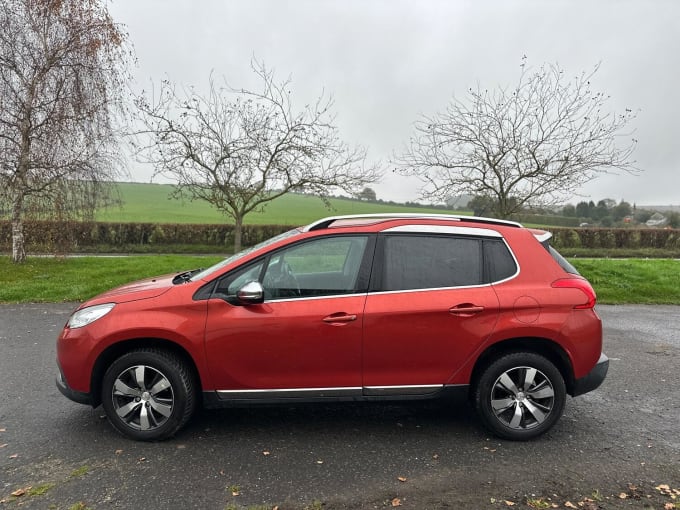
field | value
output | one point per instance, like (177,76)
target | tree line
(63,112)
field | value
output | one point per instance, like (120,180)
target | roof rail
(326,222)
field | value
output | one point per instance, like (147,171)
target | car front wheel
(148,394)
(520,395)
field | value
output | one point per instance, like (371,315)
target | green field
(150,203)
(47,279)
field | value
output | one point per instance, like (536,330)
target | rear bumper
(593,379)
(76,396)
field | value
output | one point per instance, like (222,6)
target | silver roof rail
(326,222)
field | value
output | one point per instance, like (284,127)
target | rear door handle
(465,310)
(339,318)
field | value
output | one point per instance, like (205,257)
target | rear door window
(430,261)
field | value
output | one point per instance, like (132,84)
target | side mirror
(251,293)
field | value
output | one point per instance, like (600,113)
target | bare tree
(239,150)
(527,145)
(62,68)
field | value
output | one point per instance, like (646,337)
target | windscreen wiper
(185,276)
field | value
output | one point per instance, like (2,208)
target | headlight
(88,315)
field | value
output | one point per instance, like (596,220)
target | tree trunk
(18,250)
(238,231)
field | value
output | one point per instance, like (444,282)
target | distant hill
(150,203)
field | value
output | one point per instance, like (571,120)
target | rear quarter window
(498,261)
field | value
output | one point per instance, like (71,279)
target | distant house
(657,220)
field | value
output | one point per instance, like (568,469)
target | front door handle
(339,318)
(465,310)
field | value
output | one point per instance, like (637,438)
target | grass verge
(50,280)
(639,281)
(47,279)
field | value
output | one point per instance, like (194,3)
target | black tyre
(520,395)
(148,394)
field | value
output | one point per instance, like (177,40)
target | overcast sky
(388,61)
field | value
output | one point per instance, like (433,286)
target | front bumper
(76,396)
(593,379)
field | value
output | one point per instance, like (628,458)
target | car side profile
(348,308)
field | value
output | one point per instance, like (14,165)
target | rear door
(427,311)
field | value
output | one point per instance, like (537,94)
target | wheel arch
(543,346)
(114,351)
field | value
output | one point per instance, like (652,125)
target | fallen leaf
(509,503)
(3,430)
(569,504)
(401,478)
(623,495)
(3,445)
(14,456)
(396,502)
(669,506)
(141,459)
(235,492)
(20,492)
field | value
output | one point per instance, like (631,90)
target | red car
(370,307)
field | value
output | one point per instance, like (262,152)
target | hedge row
(612,238)
(74,237)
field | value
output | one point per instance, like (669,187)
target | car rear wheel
(148,394)
(520,395)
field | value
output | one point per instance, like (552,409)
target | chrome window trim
(312,298)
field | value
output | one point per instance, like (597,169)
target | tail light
(580,284)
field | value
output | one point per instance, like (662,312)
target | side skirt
(246,398)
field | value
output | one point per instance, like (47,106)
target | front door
(305,339)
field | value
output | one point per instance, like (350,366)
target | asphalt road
(610,450)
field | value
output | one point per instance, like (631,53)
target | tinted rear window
(564,263)
(427,262)
(498,260)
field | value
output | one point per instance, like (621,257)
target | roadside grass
(639,281)
(48,279)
